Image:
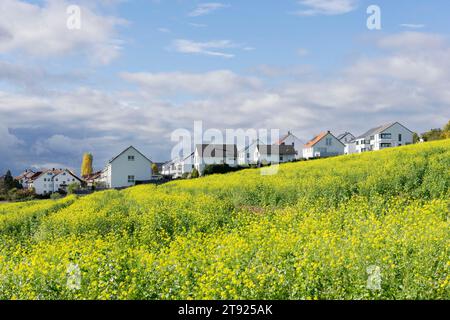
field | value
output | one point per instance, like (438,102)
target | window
(329,141)
(281,158)
(130,179)
(372,137)
(385,136)
(248,155)
(385,145)
(45,179)
(399,137)
(130,158)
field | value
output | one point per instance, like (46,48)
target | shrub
(194,174)
(55,196)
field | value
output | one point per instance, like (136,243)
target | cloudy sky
(138,69)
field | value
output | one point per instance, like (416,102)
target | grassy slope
(363,226)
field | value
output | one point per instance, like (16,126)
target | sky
(134,71)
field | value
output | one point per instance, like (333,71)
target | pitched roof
(217,150)
(316,139)
(283,138)
(92,176)
(110,161)
(276,149)
(342,135)
(25,175)
(257,142)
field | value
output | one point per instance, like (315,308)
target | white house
(208,154)
(25,178)
(346,137)
(247,155)
(291,140)
(323,145)
(187,164)
(54,180)
(178,167)
(126,169)
(382,137)
(265,154)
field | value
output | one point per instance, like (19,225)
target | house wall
(62,180)
(321,149)
(201,162)
(121,168)
(49,182)
(350,148)
(297,143)
(395,130)
(43,184)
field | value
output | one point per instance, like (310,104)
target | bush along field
(370,226)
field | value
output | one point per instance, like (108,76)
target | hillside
(370,226)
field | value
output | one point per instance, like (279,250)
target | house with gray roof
(209,154)
(385,136)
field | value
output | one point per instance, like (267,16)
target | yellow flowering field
(370,226)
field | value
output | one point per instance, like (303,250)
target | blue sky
(139,69)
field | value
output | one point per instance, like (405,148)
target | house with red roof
(323,145)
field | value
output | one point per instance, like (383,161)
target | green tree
(195,174)
(73,187)
(446,133)
(416,137)
(432,135)
(86,165)
(8,180)
(155,170)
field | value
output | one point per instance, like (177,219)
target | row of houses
(289,148)
(131,166)
(48,181)
(124,170)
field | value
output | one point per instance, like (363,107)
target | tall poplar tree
(86,166)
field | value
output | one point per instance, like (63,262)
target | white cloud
(326,7)
(210,48)
(207,8)
(412,25)
(198,25)
(302,52)
(210,83)
(407,41)
(41,31)
(410,86)
(164,30)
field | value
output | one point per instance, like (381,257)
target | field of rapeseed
(370,226)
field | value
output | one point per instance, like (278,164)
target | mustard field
(370,226)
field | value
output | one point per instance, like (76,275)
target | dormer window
(130,158)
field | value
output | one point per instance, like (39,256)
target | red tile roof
(316,139)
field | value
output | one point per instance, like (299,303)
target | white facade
(386,136)
(292,140)
(322,146)
(177,168)
(274,154)
(248,156)
(126,168)
(346,137)
(50,181)
(214,154)
(25,178)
